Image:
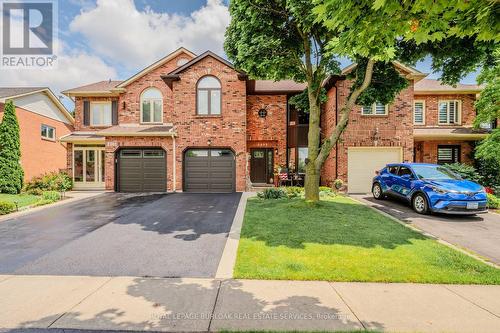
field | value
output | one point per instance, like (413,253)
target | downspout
(175,163)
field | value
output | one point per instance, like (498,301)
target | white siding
(41,104)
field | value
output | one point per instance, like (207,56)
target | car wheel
(377,191)
(420,204)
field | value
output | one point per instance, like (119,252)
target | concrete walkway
(200,305)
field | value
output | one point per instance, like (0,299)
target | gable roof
(413,73)
(96,88)
(436,87)
(155,65)
(201,57)
(16,92)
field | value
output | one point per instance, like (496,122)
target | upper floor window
(48,132)
(100,114)
(208,96)
(376,109)
(419,112)
(449,112)
(151,106)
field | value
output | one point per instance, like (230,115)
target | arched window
(151,106)
(209,97)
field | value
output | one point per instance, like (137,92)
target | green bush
(6,207)
(493,201)
(338,183)
(465,171)
(52,196)
(489,169)
(272,193)
(294,191)
(11,172)
(54,181)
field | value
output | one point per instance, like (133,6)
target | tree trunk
(311,185)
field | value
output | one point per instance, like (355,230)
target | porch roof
(450,133)
(82,137)
(139,130)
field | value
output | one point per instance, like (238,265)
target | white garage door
(363,162)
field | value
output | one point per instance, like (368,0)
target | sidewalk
(154,304)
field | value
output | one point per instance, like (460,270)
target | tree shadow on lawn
(293,223)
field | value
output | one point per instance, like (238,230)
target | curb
(429,235)
(228,258)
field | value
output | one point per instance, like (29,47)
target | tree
(11,172)
(302,40)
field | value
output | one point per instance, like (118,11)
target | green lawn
(21,199)
(342,240)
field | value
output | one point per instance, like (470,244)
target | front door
(88,167)
(261,166)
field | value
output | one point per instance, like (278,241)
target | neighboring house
(42,119)
(195,123)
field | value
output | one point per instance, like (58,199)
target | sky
(114,39)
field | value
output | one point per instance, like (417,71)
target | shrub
(493,201)
(54,181)
(272,193)
(11,172)
(465,171)
(6,207)
(52,196)
(489,169)
(294,191)
(338,183)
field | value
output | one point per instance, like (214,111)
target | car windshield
(434,172)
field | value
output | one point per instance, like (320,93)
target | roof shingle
(15,91)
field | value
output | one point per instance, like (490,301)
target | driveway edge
(228,259)
(70,199)
(427,234)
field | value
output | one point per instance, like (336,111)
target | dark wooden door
(261,166)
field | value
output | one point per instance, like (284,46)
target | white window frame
(458,121)
(47,137)
(423,111)
(92,114)
(373,109)
(151,103)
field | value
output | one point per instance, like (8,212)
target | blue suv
(430,188)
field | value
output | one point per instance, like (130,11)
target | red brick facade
(392,130)
(468,112)
(270,131)
(240,128)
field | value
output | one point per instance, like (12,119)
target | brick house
(195,123)
(42,119)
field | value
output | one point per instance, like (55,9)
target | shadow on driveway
(168,235)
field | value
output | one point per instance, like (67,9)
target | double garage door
(205,170)
(362,163)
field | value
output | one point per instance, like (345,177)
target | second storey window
(48,132)
(100,114)
(376,109)
(419,112)
(208,96)
(151,106)
(449,112)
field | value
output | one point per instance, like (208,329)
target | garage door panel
(210,172)
(142,170)
(363,162)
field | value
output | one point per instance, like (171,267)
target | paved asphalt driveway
(162,235)
(479,233)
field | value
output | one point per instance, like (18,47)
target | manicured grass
(342,240)
(21,199)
